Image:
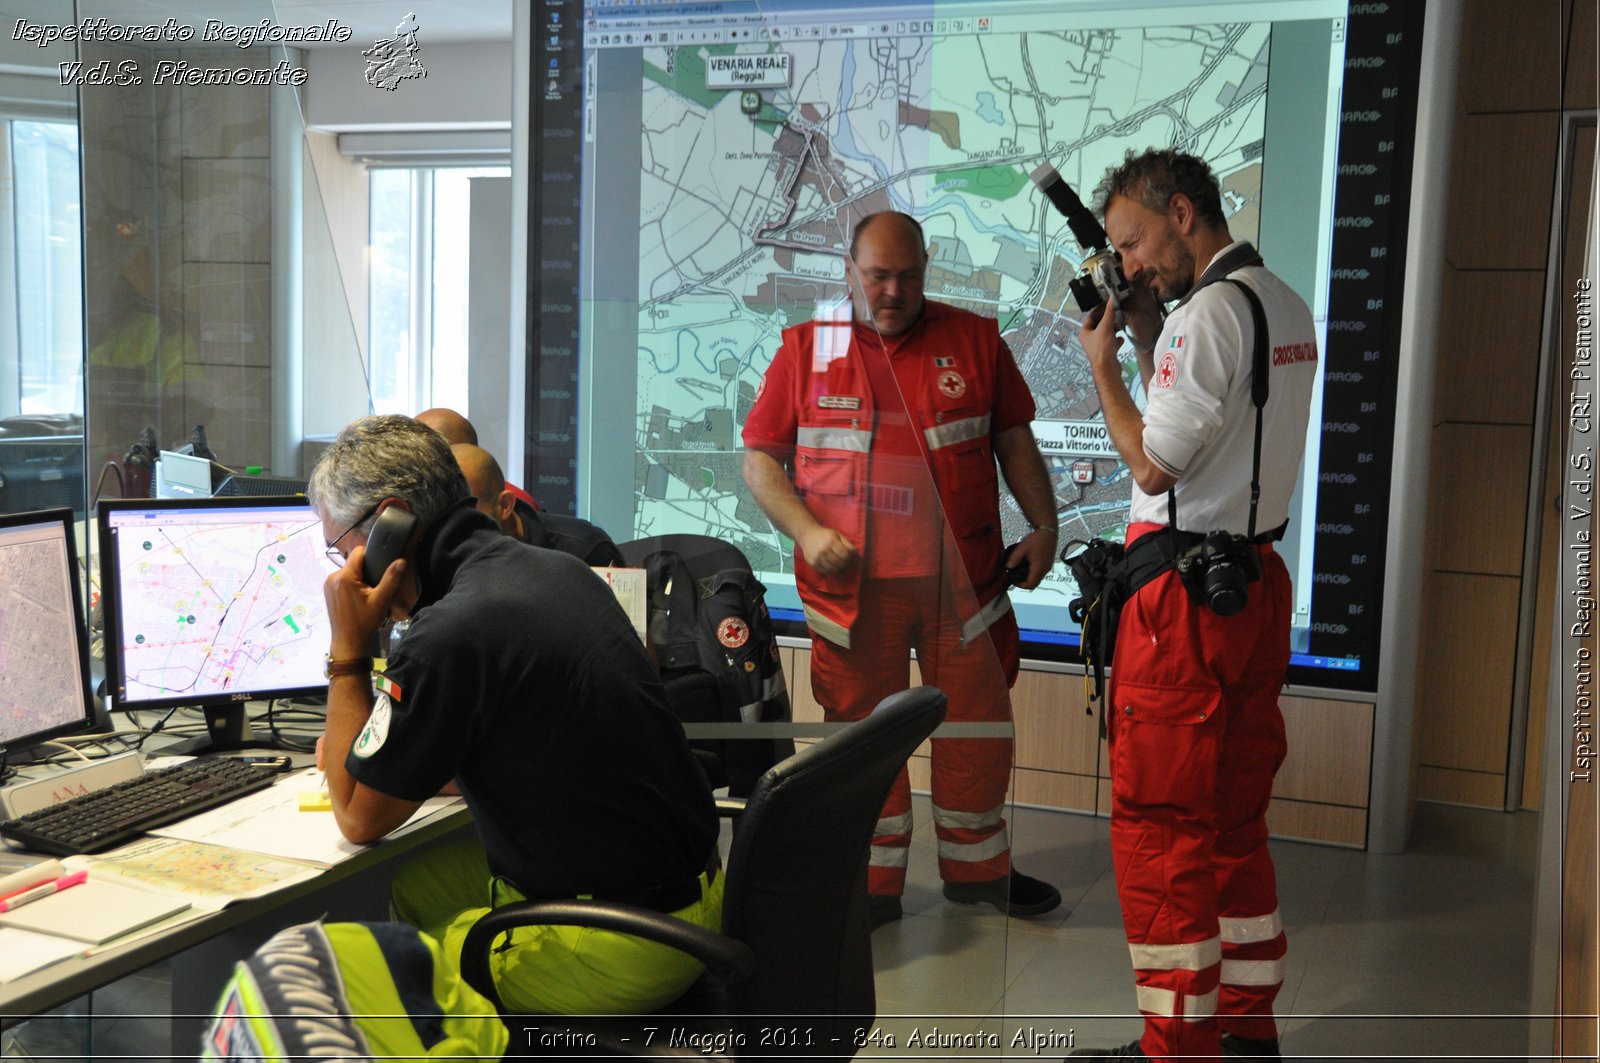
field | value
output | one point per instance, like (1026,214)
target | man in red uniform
(1193,724)
(872,444)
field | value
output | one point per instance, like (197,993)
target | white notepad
(95,911)
(630,587)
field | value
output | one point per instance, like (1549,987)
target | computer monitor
(182,476)
(44,691)
(212,603)
(41,472)
(246,485)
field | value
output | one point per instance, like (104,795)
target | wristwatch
(354,666)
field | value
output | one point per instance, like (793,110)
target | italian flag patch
(382,684)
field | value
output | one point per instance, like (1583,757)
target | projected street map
(727,147)
(746,205)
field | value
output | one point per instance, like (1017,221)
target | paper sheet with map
(270,822)
(209,876)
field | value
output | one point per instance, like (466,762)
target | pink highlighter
(27,896)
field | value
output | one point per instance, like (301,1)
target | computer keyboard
(105,818)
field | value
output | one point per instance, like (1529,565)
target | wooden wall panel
(1305,821)
(1060,760)
(921,773)
(1512,55)
(1053,789)
(1509,205)
(1481,510)
(1453,786)
(1053,730)
(1583,88)
(1490,346)
(1330,752)
(1467,667)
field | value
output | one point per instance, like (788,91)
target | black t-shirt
(570,535)
(521,678)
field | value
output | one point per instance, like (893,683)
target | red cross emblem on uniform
(733,632)
(1167,372)
(952,384)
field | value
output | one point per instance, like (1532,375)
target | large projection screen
(684,214)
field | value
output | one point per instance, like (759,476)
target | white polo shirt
(1199,422)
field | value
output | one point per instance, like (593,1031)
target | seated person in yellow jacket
(520,678)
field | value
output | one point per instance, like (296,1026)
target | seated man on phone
(520,678)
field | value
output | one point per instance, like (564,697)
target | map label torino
(1087,439)
(767,71)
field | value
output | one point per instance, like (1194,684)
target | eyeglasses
(333,544)
(883,276)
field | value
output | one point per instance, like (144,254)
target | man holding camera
(1193,725)
(872,444)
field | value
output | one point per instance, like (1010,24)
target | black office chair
(794,960)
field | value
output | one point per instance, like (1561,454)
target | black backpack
(715,649)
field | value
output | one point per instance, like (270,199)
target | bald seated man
(450,424)
(521,521)
(457,429)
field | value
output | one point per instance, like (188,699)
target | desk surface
(43,990)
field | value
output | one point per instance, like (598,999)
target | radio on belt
(1099,276)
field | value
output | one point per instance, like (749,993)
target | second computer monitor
(44,671)
(212,601)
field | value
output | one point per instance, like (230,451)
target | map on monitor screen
(212,600)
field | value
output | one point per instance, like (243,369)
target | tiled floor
(1420,955)
(1423,954)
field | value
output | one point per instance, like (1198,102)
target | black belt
(1153,552)
(665,899)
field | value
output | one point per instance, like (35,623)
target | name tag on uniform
(839,402)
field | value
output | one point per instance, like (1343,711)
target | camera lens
(1225,588)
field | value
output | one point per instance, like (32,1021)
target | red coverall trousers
(970,775)
(1196,737)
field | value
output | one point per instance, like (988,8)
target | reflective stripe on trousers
(971,628)
(970,837)
(1165,1003)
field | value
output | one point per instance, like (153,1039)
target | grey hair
(386,456)
(1151,178)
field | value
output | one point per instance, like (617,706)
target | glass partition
(757,369)
(41,278)
(172,278)
(226,309)
(210,260)
(727,156)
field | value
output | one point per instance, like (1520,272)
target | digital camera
(1099,281)
(1099,278)
(1218,570)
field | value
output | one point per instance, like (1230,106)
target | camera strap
(1258,392)
(1238,258)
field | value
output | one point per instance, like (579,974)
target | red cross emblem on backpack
(733,632)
